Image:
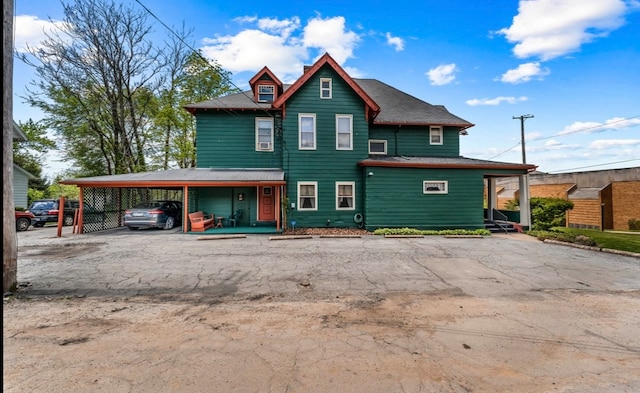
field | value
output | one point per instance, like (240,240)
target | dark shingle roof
(396,107)
(442,162)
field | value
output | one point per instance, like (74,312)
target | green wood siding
(413,141)
(326,164)
(228,140)
(394,198)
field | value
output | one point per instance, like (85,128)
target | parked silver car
(154,214)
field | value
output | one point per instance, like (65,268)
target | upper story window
(435,187)
(266,93)
(307,195)
(325,88)
(345,195)
(344,132)
(435,135)
(264,134)
(307,131)
(377,147)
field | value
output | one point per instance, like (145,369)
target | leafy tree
(30,154)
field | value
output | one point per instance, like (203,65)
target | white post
(492,197)
(525,210)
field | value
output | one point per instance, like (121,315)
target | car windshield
(148,205)
(43,205)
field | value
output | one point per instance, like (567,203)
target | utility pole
(522,119)
(525,204)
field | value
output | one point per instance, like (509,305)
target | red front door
(267,204)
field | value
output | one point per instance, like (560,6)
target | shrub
(547,213)
(634,224)
(420,232)
(563,237)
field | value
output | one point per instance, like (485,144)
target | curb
(581,246)
(219,237)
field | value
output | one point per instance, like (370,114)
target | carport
(258,192)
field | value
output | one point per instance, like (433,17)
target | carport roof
(185,177)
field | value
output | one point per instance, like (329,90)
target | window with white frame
(306,131)
(345,195)
(435,135)
(435,187)
(377,147)
(266,93)
(344,132)
(307,195)
(264,134)
(325,88)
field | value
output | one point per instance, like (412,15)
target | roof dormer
(266,86)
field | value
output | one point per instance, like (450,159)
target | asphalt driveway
(369,314)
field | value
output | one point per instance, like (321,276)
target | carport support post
(525,208)
(492,197)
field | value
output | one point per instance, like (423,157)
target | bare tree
(9,241)
(98,80)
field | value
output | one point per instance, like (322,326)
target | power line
(593,166)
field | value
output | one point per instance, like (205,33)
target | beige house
(605,199)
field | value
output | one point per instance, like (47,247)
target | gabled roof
(263,71)
(372,107)
(18,134)
(400,108)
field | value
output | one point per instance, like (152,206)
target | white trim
(435,187)
(314,197)
(436,131)
(352,196)
(350,117)
(262,145)
(300,117)
(383,141)
(272,93)
(327,89)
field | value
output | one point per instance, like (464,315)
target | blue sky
(572,64)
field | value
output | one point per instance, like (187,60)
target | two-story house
(328,150)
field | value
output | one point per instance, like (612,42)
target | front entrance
(266,204)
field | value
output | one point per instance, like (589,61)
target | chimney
(305,69)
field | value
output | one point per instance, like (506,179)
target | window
(264,134)
(266,93)
(435,135)
(307,196)
(345,194)
(267,191)
(344,133)
(435,187)
(377,147)
(325,88)
(307,131)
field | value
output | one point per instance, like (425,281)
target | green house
(328,150)
(351,152)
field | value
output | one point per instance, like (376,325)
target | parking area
(164,311)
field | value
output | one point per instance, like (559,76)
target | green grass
(615,241)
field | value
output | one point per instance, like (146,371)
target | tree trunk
(9,241)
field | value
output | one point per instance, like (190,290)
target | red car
(23,220)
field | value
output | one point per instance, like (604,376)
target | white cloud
(495,101)
(590,127)
(524,73)
(552,28)
(613,143)
(396,42)
(442,74)
(283,45)
(30,31)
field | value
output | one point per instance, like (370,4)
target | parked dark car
(23,220)
(154,214)
(47,210)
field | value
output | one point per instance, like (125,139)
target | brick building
(605,199)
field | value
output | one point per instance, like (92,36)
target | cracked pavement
(162,311)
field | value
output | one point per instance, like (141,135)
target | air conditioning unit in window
(264,145)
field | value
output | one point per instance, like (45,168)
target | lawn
(616,241)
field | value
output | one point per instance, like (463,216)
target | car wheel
(67,221)
(22,224)
(170,223)
(39,224)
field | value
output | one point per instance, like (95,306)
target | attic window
(325,88)
(266,93)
